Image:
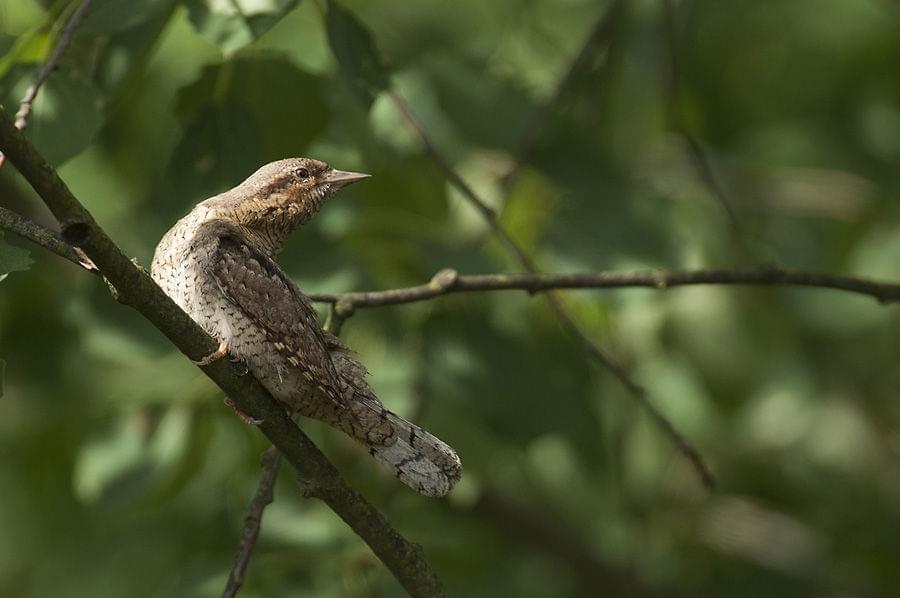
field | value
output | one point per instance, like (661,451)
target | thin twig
(337,315)
(65,38)
(448,281)
(46,238)
(52,63)
(265,494)
(527,263)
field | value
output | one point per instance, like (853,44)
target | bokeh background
(664,134)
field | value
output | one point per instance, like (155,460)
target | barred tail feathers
(417,458)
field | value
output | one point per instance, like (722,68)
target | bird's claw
(244,368)
(244,417)
(216,355)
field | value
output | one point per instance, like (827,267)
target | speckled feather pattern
(218,264)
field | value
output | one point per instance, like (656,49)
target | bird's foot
(216,355)
(242,363)
(244,417)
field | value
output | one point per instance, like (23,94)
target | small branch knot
(76,233)
(344,308)
(660,281)
(445,279)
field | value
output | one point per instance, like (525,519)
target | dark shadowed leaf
(220,146)
(239,115)
(12,259)
(361,64)
(109,16)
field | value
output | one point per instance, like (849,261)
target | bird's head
(281,196)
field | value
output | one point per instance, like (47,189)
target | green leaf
(13,259)
(232,24)
(110,16)
(65,115)
(532,206)
(361,64)
(239,115)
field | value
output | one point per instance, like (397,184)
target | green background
(123,474)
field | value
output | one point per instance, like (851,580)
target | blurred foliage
(122,473)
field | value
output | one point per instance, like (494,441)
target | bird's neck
(268,221)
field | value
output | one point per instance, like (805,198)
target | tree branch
(46,238)
(134,287)
(562,313)
(448,281)
(271,459)
(265,494)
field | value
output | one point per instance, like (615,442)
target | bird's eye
(301,173)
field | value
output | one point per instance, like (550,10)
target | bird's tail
(416,457)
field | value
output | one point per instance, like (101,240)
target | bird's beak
(339,179)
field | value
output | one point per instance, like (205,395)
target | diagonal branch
(134,287)
(562,313)
(265,494)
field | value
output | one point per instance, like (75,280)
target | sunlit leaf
(232,24)
(65,115)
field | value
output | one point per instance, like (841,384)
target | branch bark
(134,287)
(44,237)
(448,282)
(265,494)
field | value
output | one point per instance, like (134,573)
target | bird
(218,264)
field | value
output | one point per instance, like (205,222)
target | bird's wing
(254,283)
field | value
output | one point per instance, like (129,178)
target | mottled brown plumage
(218,264)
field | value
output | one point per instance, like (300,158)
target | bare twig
(135,288)
(339,312)
(65,38)
(527,263)
(265,493)
(448,281)
(46,238)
